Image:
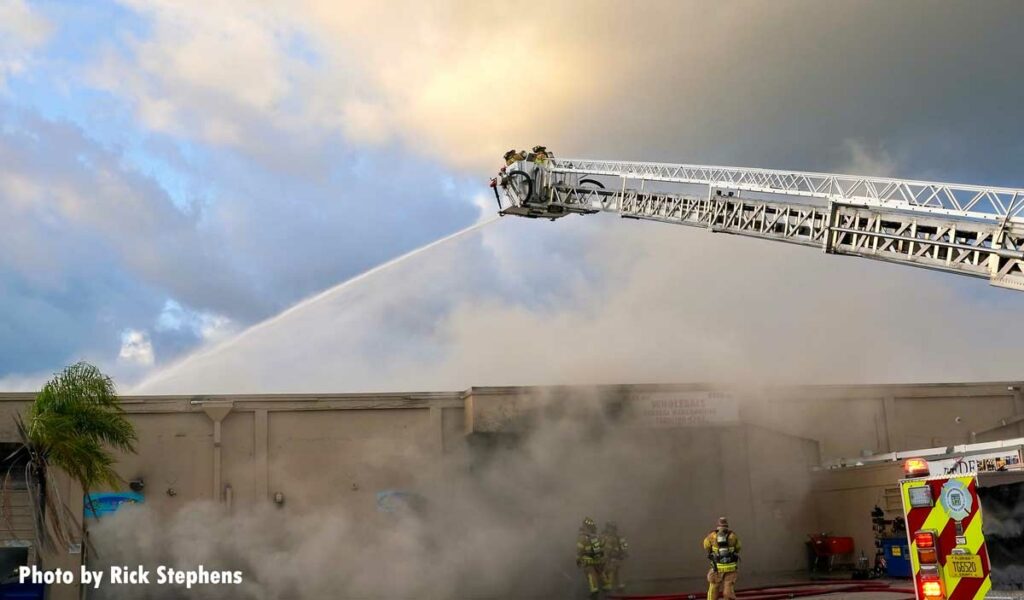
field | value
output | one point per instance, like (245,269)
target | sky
(173,173)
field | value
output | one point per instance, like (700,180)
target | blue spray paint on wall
(101,504)
(399,501)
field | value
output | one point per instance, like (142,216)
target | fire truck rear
(964,531)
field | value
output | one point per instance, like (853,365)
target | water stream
(207,352)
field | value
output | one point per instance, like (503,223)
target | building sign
(979,463)
(685,409)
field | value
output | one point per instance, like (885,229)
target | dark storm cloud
(785,84)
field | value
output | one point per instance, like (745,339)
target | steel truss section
(1003,205)
(970,230)
(793,223)
(979,249)
(955,245)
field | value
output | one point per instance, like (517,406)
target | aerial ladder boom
(965,229)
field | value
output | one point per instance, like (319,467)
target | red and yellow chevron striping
(954,515)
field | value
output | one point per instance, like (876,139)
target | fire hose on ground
(785,591)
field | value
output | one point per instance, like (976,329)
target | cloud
(22,30)
(90,248)
(868,161)
(217,72)
(93,246)
(136,348)
(236,158)
(204,325)
(53,177)
(23,382)
(466,81)
(443,80)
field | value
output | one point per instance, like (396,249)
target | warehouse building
(756,454)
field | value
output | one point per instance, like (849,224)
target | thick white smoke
(498,520)
(601,300)
(1003,524)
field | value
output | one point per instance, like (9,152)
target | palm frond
(78,384)
(85,460)
(87,421)
(69,426)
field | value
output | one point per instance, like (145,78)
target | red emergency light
(927,553)
(924,539)
(916,467)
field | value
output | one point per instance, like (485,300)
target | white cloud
(214,328)
(454,79)
(206,326)
(869,161)
(486,204)
(365,122)
(172,317)
(22,30)
(466,81)
(136,348)
(23,383)
(209,70)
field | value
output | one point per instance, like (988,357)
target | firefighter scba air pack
(725,554)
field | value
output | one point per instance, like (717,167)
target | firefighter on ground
(615,551)
(590,554)
(722,546)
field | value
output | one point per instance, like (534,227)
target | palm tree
(71,424)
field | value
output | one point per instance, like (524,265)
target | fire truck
(964,509)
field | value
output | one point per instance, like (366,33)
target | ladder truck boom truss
(965,229)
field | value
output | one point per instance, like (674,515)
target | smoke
(498,518)
(794,87)
(599,300)
(1003,524)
